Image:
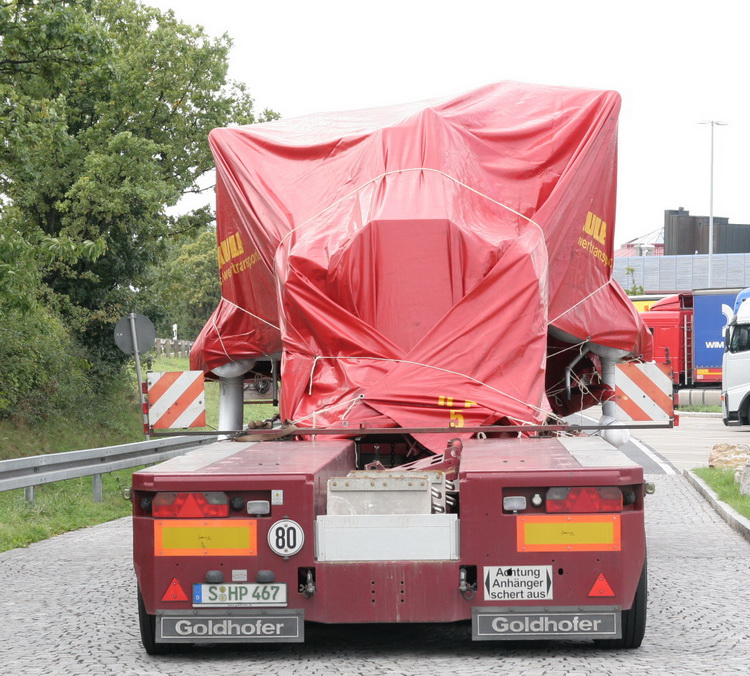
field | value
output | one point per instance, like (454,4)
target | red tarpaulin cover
(408,260)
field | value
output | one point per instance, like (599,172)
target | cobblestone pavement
(69,607)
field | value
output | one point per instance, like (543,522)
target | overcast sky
(675,64)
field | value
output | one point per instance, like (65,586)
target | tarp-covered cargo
(408,261)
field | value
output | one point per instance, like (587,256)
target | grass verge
(117,421)
(68,505)
(60,507)
(723,483)
(699,409)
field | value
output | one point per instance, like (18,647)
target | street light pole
(713,123)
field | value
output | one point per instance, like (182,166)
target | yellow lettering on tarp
(595,228)
(241,266)
(231,249)
(456,416)
(595,251)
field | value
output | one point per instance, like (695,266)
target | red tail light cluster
(190,505)
(584,499)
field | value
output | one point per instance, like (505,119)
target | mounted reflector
(176,400)
(643,393)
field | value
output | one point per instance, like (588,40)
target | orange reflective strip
(181,404)
(569,533)
(204,537)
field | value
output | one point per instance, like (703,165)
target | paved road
(686,446)
(69,607)
(689,444)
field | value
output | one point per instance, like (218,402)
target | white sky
(675,63)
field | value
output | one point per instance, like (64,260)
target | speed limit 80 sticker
(286,537)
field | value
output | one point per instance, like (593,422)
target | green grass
(60,507)
(699,409)
(67,505)
(722,481)
(118,421)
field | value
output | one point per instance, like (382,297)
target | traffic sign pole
(144,410)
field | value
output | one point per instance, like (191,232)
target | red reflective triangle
(174,592)
(190,508)
(601,587)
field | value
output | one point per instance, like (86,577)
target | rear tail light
(584,499)
(190,505)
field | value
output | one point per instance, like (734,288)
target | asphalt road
(69,605)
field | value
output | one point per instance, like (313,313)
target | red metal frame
(399,591)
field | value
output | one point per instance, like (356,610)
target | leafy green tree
(185,288)
(105,108)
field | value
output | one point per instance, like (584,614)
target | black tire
(744,413)
(147,624)
(633,620)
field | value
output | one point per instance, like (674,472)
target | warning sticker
(520,583)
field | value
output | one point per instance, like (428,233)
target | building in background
(650,244)
(675,257)
(686,235)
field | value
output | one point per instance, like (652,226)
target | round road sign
(145,333)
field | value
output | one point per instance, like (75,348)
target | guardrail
(36,470)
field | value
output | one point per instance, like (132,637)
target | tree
(105,108)
(185,289)
(633,288)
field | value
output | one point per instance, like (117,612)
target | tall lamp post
(713,123)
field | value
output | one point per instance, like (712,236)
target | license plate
(239,595)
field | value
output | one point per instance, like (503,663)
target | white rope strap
(350,402)
(401,171)
(436,368)
(260,319)
(583,300)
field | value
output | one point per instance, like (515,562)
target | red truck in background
(688,332)
(435,281)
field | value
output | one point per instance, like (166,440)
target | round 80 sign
(286,537)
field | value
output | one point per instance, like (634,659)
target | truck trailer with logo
(432,284)
(688,333)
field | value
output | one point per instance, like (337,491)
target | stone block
(729,455)
(745,479)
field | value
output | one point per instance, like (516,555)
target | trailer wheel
(147,625)
(633,620)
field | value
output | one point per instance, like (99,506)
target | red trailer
(670,321)
(688,334)
(435,282)
(247,541)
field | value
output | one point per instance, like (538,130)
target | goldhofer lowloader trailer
(533,538)
(433,284)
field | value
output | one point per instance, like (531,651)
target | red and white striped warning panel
(176,400)
(643,393)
